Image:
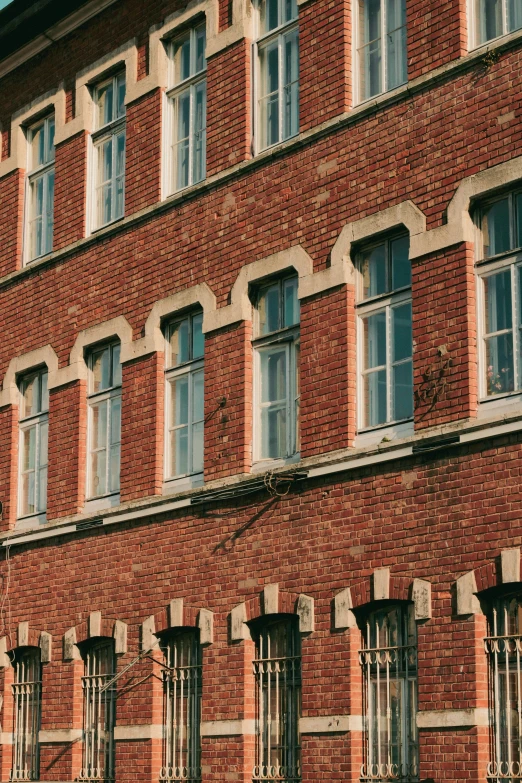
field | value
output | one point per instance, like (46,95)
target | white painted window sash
(477,18)
(362,71)
(40,173)
(110,132)
(38,423)
(190,371)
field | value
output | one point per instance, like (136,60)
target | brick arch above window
(176,615)
(382,585)
(26,636)
(271,601)
(502,570)
(92,628)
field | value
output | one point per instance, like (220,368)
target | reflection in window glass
(381,51)
(109,147)
(104,421)
(495,17)
(34,428)
(41,188)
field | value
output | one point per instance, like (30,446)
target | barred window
(504,651)
(182,686)
(277,669)
(389,661)
(27,690)
(99,711)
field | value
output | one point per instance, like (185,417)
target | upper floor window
(104,427)
(500,287)
(276,350)
(504,650)
(381,46)
(389,662)
(34,427)
(99,711)
(385,333)
(277,670)
(185,396)
(182,682)
(40,181)
(109,150)
(277,72)
(493,18)
(27,689)
(188,108)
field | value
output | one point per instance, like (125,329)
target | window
(185,396)
(40,183)
(34,427)
(104,421)
(109,150)
(495,17)
(381,46)
(188,108)
(277,72)
(385,333)
(27,690)
(99,711)
(277,670)
(182,708)
(277,370)
(500,279)
(389,662)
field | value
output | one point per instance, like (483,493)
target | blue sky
(3,3)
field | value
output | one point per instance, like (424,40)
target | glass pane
(402,391)
(370,49)
(27,500)
(401,332)
(269,98)
(48,243)
(120,87)
(400,261)
(179,451)
(49,152)
(116,366)
(99,425)
(114,468)
(273,375)
(115,433)
(105,103)
(268,310)
(101,370)
(179,343)
(290,302)
(200,48)
(374,339)
(518,218)
(44,393)
(197,448)
(269,15)
(373,270)
(395,43)
(273,433)
(181,140)
(42,490)
(200,123)
(43,445)
(179,400)
(374,398)
(497,292)
(120,154)
(495,228)
(289,10)
(181,58)
(499,364)
(37,139)
(29,448)
(198,397)
(30,404)
(291,84)
(489,20)
(98,474)
(198,339)
(514,14)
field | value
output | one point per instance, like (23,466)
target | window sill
(385,433)
(172,486)
(35,260)
(272,464)
(32,522)
(499,405)
(107,225)
(98,504)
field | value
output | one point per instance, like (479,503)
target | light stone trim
(4,657)
(239,630)
(143,731)
(343,615)
(175,612)
(46,647)
(467,601)
(381,579)
(381,584)
(51,736)
(452,719)
(23,634)
(305,612)
(331,724)
(6,738)
(510,565)
(120,637)
(206,626)
(21,364)
(270,599)
(228,728)
(421,597)
(70,650)
(175,619)
(148,639)
(94,624)
(94,629)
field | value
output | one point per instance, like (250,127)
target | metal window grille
(277,670)
(504,650)
(182,682)
(99,705)
(27,690)
(389,661)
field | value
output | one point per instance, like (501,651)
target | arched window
(277,669)
(389,661)
(99,710)
(504,650)
(27,688)
(182,686)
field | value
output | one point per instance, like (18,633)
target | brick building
(261,391)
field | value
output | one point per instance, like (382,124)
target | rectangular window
(27,688)
(381,46)
(34,427)
(276,350)
(185,396)
(493,18)
(99,712)
(188,108)
(389,662)
(40,188)
(109,150)
(277,670)
(277,72)
(500,290)
(182,679)
(104,421)
(385,333)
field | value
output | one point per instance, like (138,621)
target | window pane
(269,95)
(370,49)
(37,146)
(290,302)
(30,397)
(105,103)
(499,364)
(199,140)
(49,153)
(44,392)
(179,343)
(290,10)
(116,366)
(396,44)
(273,375)
(98,473)
(374,338)
(269,15)
(181,140)
(101,370)
(400,261)
(114,469)
(402,391)
(197,448)
(198,397)
(200,49)
(181,58)
(273,433)
(198,339)
(179,401)
(291,84)
(514,14)
(29,448)
(115,433)
(99,425)
(373,270)
(401,332)
(120,87)
(48,244)
(495,228)
(268,310)
(179,451)
(518,218)
(374,401)
(497,291)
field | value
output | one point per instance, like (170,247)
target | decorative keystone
(148,637)
(70,650)
(381,584)
(175,613)
(23,634)
(467,601)
(120,637)
(94,624)
(4,658)
(421,597)
(238,628)
(305,610)
(343,615)
(510,565)
(206,626)
(270,600)
(46,641)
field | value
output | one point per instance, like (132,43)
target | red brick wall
(12,189)
(437,34)
(70,191)
(9,465)
(143,153)
(67,449)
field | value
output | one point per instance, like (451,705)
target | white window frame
(102,133)
(279,33)
(371,306)
(474,21)
(189,368)
(36,421)
(35,173)
(358,46)
(192,83)
(110,497)
(27,707)
(99,701)
(289,337)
